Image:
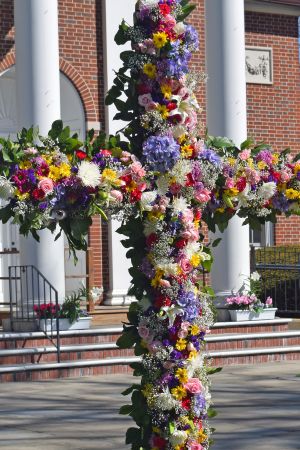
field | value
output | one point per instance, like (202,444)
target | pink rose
(186,265)
(145,99)
(202,195)
(137,169)
(143,331)
(194,386)
(194,446)
(269,301)
(117,195)
(245,154)
(169,21)
(46,185)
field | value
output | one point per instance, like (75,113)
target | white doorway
(73,115)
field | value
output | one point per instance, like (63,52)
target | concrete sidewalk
(258,408)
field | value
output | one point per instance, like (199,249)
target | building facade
(86,58)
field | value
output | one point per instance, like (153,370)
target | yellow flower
(195,330)
(156,280)
(231,161)
(192,355)
(163,111)
(202,436)
(195,260)
(182,375)
(64,170)
(186,151)
(166,90)
(54,173)
(25,165)
(179,392)
(182,139)
(21,196)
(147,390)
(297,168)
(262,165)
(109,175)
(181,344)
(275,158)
(150,70)
(160,39)
(292,194)
(232,192)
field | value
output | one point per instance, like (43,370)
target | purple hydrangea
(161,153)
(198,404)
(211,156)
(191,38)
(280,202)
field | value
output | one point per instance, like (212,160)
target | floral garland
(163,182)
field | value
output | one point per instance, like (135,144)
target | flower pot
(242,315)
(82,323)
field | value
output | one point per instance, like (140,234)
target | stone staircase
(30,356)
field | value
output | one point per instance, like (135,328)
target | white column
(38,103)
(113,12)
(227,116)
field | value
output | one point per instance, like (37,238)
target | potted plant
(70,314)
(247,304)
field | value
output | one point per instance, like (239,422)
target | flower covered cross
(162,180)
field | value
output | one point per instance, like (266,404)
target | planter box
(240,316)
(82,323)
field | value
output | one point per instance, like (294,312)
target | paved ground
(258,410)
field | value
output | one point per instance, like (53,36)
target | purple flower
(280,202)
(191,38)
(211,156)
(198,404)
(266,156)
(161,152)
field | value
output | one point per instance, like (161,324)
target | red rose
(80,154)
(181,243)
(165,9)
(105,152)
(186,403)
(171,106)
(38,194)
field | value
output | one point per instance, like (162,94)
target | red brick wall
(274,110)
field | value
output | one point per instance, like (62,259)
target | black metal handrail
(28,291)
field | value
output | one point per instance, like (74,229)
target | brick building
(273,109)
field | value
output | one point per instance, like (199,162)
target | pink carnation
(194,386)
(117,195)
(245,154)
(137,169)
(195,446)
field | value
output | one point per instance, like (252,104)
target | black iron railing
(34,301)
(279,268)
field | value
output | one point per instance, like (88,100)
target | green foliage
(71,307)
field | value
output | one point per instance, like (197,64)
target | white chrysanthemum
(178,437)
(162,184)
(191,248)
(6,188)
(170,269)
(165,401)
(180,170)
(146,200)
(267,190)
(179,205)
(89,174)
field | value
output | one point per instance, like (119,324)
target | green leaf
(216,242)
(213,370)
(125,410)
(122,36)
(6,213)
(131,389)
(128,338)
(247,144)
(211,413)
(56,129)
(64,135)
(133,436)
(186,11)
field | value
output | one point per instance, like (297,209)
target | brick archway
(76,79)
(82,87)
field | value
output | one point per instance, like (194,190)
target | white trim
(268,7)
